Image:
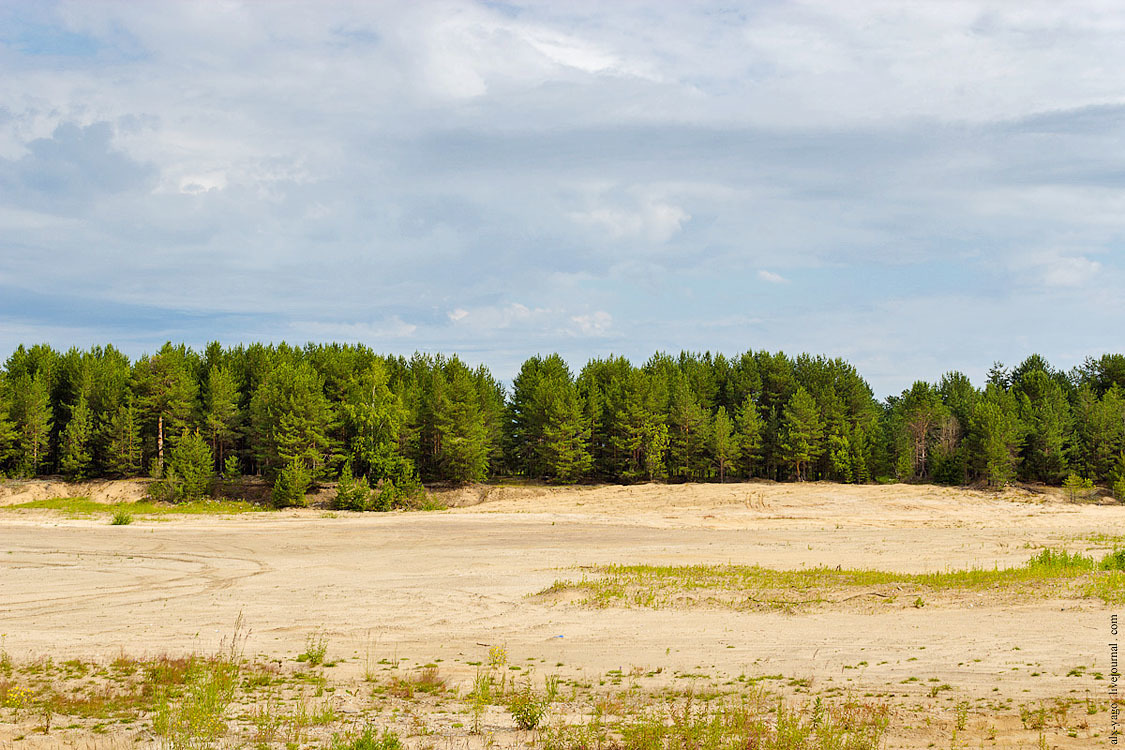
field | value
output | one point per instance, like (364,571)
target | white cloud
(653,221)
(416,167)
(593,324)
(369,332)
(1066,270)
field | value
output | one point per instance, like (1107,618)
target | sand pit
(445,587)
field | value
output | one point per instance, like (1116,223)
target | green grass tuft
(86,506)
(748,586)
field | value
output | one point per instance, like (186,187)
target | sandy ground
(448,585)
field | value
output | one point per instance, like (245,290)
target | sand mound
(16,491)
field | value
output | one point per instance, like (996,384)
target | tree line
(384,424)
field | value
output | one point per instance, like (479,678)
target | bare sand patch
(450,585)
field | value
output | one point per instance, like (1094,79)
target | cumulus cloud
(1065,270)
(499,177)
(593,324)
(655,222)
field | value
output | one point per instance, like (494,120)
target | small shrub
(192,462)
(166,489)
(1077,487)
(121,517)
(370,740)
(352,493)
(316,648)
(1050,561)
(1119,490)
(231,469)
(291,485)
(527,708)
(1114,560)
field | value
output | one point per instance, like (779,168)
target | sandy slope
(446,585)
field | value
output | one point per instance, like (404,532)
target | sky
(916,187)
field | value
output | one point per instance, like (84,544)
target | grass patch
(751,586)
(84,506)
(753,721)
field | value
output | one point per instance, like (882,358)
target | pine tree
(1099,430)
(351,493)
(654,448)
(563,453)
(723,443)
(802,432)
(121,435)
(917,417)
(9,436)
(165,392)
(999,435)
(461,427)
(221,415)
(33,417)
(373,419)
(860,447)
(75,455)
(291,419)
(750,428)
(292,483)
(1046,415)
(687,432)
(546,431)
(191,465)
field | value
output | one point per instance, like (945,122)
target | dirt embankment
(16,491)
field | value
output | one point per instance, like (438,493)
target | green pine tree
(221,415)
(351,493)
(165,392)
(654,448)
(34,418)
(291,419)
(750,439)
(9,436)
(723,442)
(687,431)
(802,433)
(563,453)
(75,457)
(121,435)
(192,465)
(291,486)
(1045,413)
(461,428)
(999,435)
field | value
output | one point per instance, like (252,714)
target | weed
(369,739)
(121,517)
(752,586)
(551,687)
(369,672)
(198,717)
(316,648)
(962,714)
(1113,561)
(527,707)
(497,656)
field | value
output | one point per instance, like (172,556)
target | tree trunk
(160,445)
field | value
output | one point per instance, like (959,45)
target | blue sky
(915,187)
